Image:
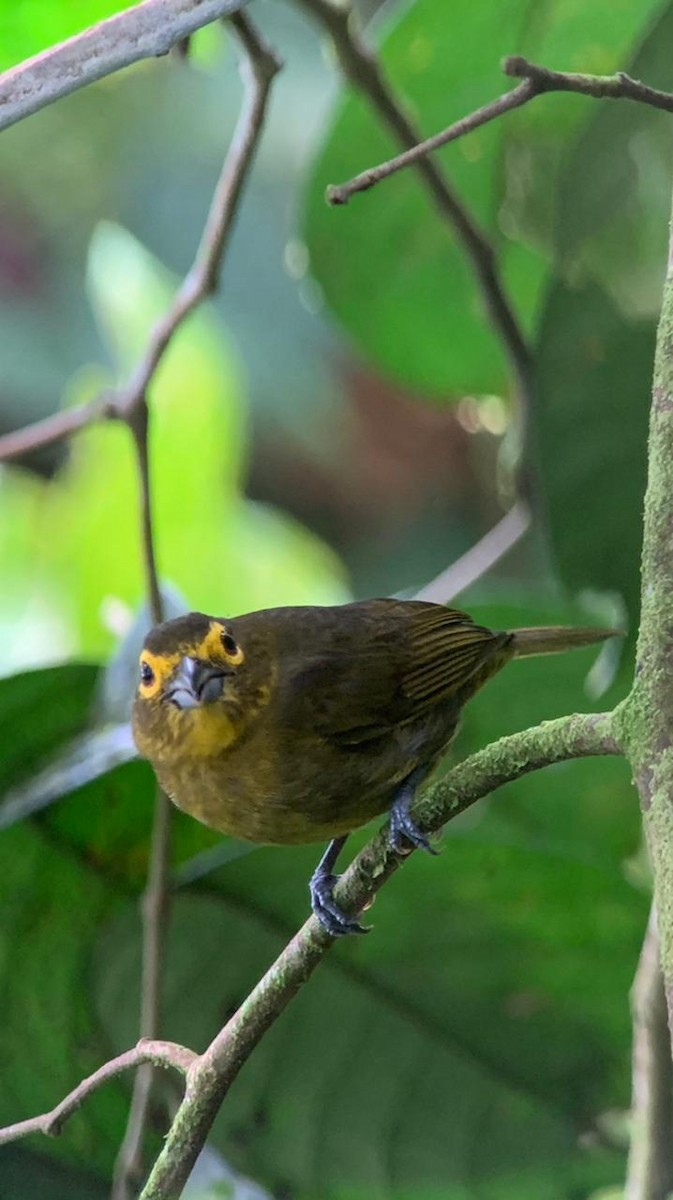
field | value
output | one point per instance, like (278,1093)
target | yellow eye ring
(231,648)
(146,673)
(229,643)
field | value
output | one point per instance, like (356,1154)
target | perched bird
(292,725)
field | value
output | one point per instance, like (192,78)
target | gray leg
(403,828)
(321,886)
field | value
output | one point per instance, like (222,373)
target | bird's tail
(553,639)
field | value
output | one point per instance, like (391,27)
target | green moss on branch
(644,723)
(210,1077)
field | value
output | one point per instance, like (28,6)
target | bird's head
(196,690)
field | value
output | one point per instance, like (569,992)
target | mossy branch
(211,1075)
(644,723)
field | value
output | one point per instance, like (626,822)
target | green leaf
(86,759)
(592,38)
(354,1090)
(39,711)
(613,216)
(106,799)
(223,553)
(423,322)
(50,909)
(32,629)
(27,1175)
(29,26)
(393,273)
(109,822)
(595,374)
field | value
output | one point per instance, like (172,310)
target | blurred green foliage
(29,26)
(79,535)
(476,1043)
(427,326)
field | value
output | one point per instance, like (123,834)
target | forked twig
(160,1054)
(537,81)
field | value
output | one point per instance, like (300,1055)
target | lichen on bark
(643,724)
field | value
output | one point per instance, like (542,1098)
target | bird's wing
(393,662)
(446,650)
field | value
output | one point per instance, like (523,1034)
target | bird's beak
(195,683)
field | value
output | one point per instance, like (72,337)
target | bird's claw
(404,830)
(331,916)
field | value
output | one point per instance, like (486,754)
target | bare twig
(474,564)
(601,87)
(340,193)
(54,428)
(155,905)
(212,1074)
(138,420)
(650,1169)
(258,68)
(155,911)
(363,69)
(537,80)
(143,31)
(163,1054)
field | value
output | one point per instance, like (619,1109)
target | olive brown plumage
(293,725)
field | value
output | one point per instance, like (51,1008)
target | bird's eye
(146,673)
(229,643)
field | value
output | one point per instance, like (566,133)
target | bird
(298,724)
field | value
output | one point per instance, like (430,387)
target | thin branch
(472,565)
(54,428)
(650,1168)
(146,30)
(258,69)
(340,193)
(213,1073)
(537,81)
(138,419)
(361,66)
(155,911)
(601,87)
(161,1054)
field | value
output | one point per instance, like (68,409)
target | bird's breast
(271,786)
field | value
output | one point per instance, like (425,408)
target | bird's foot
(331,916)
(403,828)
